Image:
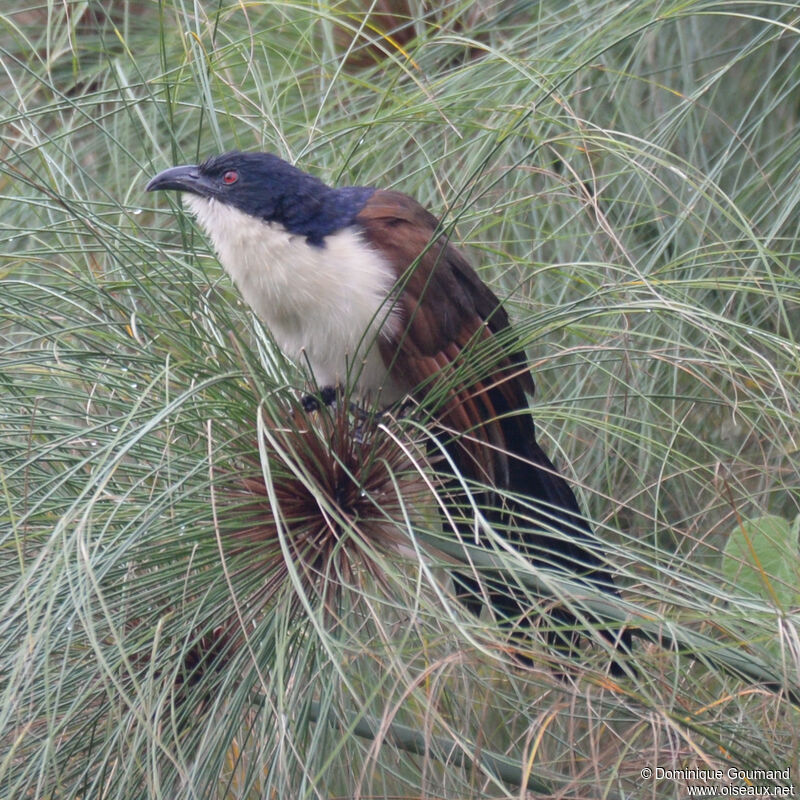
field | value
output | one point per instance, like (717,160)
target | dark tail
(547,526)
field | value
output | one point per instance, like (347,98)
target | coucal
(362,287)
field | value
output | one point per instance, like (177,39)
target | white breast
(325,306)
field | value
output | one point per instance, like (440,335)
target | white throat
(325,306)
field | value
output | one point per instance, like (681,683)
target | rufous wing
(454,332)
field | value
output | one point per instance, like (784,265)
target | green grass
(625,175)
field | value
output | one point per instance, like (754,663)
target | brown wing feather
(453,323)
(446,310)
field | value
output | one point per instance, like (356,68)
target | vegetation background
(197,600)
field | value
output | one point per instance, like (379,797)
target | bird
(364,288)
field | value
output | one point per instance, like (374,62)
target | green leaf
(761,558)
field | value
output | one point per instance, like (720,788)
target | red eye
(231,176)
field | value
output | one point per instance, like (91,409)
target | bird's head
(267,188)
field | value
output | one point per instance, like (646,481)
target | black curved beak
(186,178)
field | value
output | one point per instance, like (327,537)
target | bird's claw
(326,397)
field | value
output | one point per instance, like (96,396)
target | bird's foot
(365,418)
(326,397)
